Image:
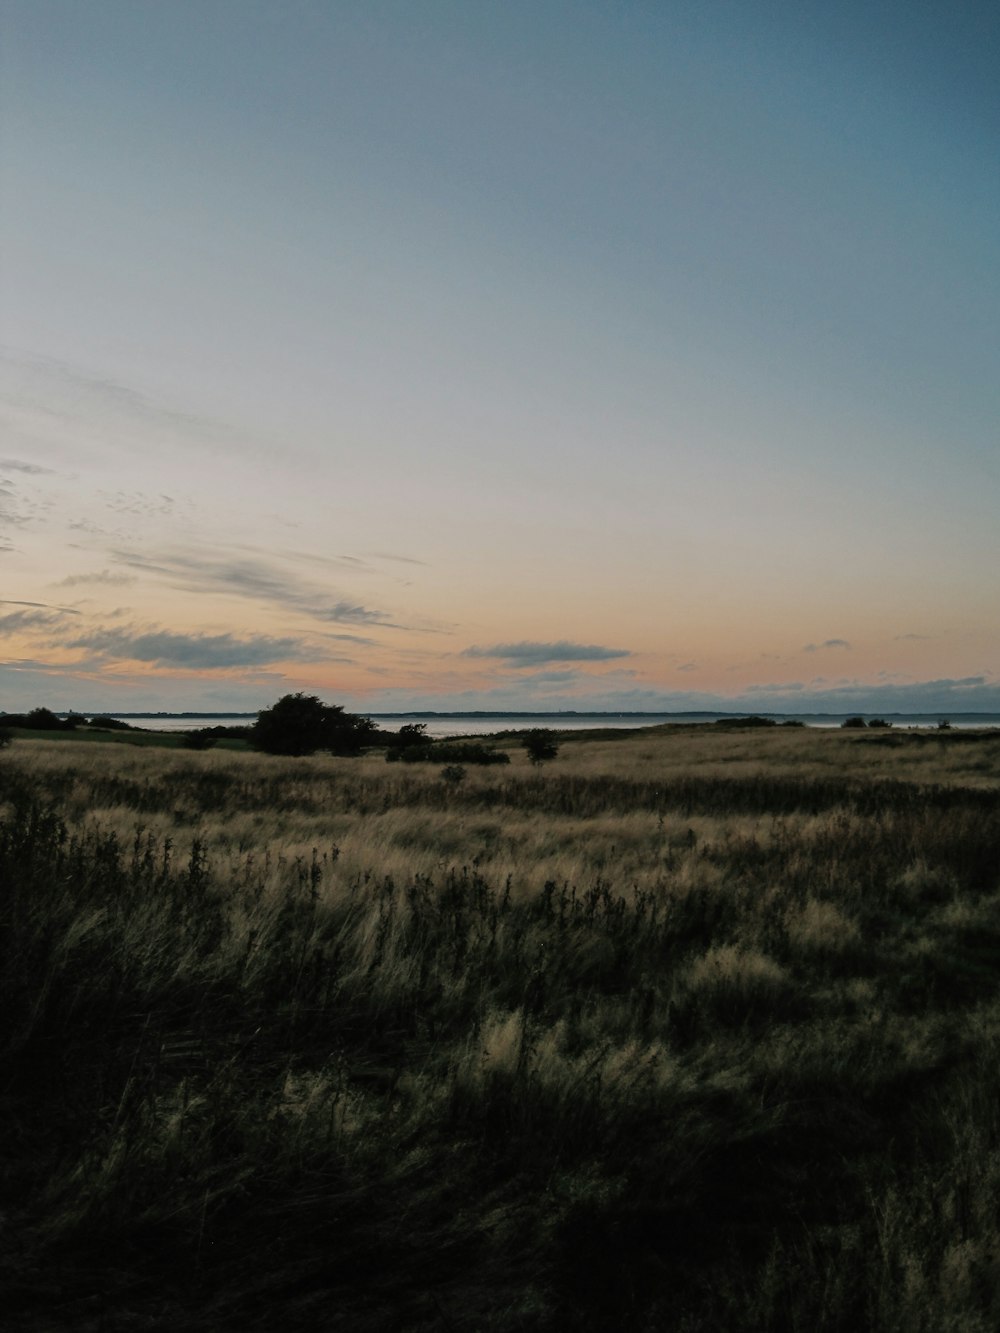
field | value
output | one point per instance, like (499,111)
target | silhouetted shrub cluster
(300,724)
(203,738)
(409,734)
(541,744)
(42,719)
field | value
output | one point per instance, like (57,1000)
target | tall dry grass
(683,1031)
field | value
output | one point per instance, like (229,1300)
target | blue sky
(345,346)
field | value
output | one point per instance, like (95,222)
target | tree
(301,724)
(541,744)
(412,733)
(43,719)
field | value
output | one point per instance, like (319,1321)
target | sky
(538,355)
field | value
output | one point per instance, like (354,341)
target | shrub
(199,740)
(300,724)
(853,722)
(412,733)
(541,744)
(43,719)
(105,723)
(453,774)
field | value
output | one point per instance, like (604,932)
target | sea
(442,725)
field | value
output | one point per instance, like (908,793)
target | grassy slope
(693,1030)
(94,735)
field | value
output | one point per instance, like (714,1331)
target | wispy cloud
(528,654)
(9,510)
(66,610)
(827,643)
(398,559)
(947,694)
(16,622)
(203,652)
(18,465)
(775,688)
(103,577)
(255,578)
(137,504)
(47,392)
(544,679)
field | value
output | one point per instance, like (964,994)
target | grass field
(688,1029)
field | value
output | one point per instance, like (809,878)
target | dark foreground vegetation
(692,1032)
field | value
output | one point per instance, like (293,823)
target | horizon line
(557,712)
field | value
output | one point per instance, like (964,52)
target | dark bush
(411,733)
(43,719)
(223,733)
(300,724)
(541,744)
(853,722)
(199,740)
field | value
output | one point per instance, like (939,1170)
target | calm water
(450,724)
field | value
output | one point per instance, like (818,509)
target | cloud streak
(31,469)
(529,654)
(16,622)
(202,652)
(104,578)
(66,610)
(255,579)
(59,392)
(827,643)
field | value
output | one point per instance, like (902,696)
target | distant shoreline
(689,715)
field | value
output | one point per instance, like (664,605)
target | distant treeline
(43,719)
